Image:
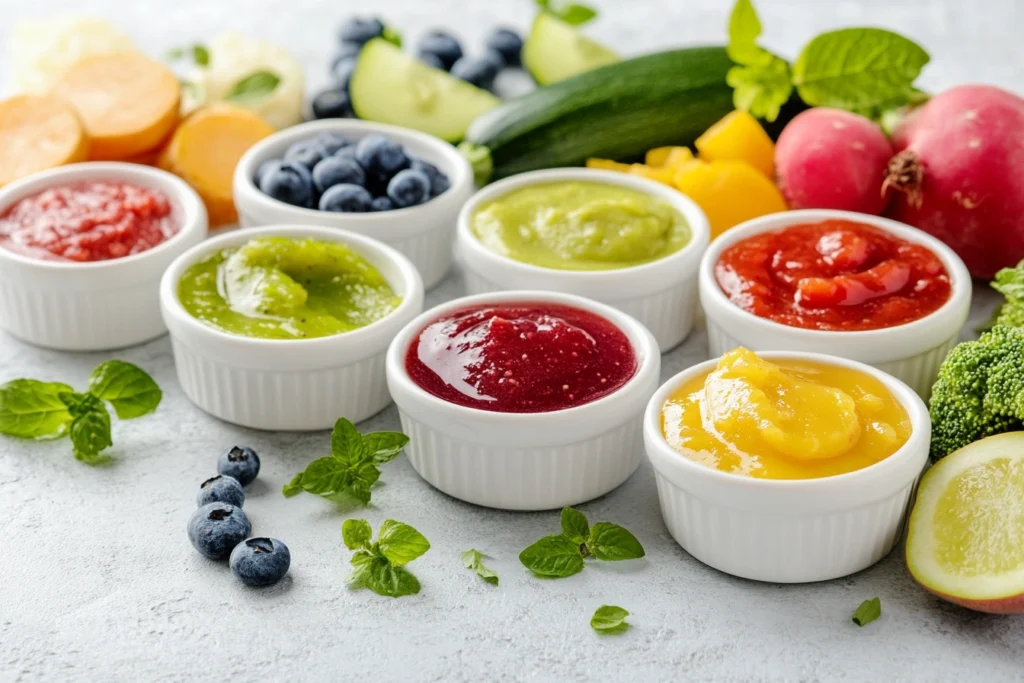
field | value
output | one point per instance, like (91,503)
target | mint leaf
(30,409)
(744,30)
(612,543)
(400,543)
(128,388)
(200,55)
(857,68)
(574,525)
(90,428)
(385,579)
(556,556)
(378,565)
(384,446)
(392,35)
(571,13)
(356,533)
(346,441)
(868,611)
(761,90)
(609,619)
(474,560)
(294,487)
(253,88)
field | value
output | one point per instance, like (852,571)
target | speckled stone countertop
(98,581)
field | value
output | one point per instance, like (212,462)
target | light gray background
(98,581)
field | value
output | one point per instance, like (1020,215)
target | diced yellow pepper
(662,175)
(667,156)
(607,165)
(729,192)
(739,137)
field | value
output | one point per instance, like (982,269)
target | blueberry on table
(240,462)
(333,103)
(360,31)
(508,44)
(305,152)
(431,60)
(409,188)
(342,72)
(288,182)
(480,72)
(443,45)
(337,171)
(439,182)
(220,489)
(347,50)
(381,204)
(346,199)
(329,143)
(260,561)
(215,529)
(381,158)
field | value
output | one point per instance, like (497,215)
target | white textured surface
(98,581)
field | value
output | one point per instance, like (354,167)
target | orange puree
(789,419)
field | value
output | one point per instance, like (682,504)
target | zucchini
(555,50)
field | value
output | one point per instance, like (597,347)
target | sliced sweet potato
(37,133)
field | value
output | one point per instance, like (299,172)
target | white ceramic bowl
(661,294)
(424,233)
(103,304)
(286,384)
(787,531)
(912,352)
(525,461)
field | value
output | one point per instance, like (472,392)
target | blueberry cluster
(332,173)
(442,50)
(219,528)
(334,102)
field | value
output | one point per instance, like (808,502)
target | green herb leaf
(556,556)
(384,446)
(200,55)
(30,409)
(609,619)
(254,87)
(574,525)
(400,543)
(744,30)
(174,54)
(346,441)
(294,487)
(385,579)
(128,388)
(571,13)
(762,89)
(377,566)
(90,429)
(356,533)
(611,542)
(392,35)
(868,611)
(856,68)
(474,560)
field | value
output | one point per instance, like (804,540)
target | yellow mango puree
(788,419)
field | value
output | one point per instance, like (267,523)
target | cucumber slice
(389,86)
(555,50)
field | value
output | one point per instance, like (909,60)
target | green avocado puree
(580,226)
(285,288)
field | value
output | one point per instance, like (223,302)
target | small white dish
(525,461)
(288,384)
(787,531)
(98,305)
(662,294)
(911,352)
(423,233)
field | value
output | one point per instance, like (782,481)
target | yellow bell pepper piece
(662,175)
(607,165)
(729,192)
(739,137)
(667,156)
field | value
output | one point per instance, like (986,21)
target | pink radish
(959,173)
(832,159)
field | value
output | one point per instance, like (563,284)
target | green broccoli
(1010,283)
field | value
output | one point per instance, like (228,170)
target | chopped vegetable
(37,133)
(729,192)
(738,137)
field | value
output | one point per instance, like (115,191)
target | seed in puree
(92,221)
(580,226)
(787,419)
(833,275)
(521,357)
(284,288)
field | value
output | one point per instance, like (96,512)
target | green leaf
(609,619)
(761,89)
(356,533)
(744,30)
(574,525)
(361,560)
(571,13)
(385,579)
(384,446)
(294,487)
(346,441)
(400,543)
(474,560)
(556,556)
(868,611)
(128,388)
(30,409)
(90,429)
(253,88)
(610,542)
(200,55)
(392,35)
(856,68)
(174,54)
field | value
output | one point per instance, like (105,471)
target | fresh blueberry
(305,152)
(481,72)
(347,50)
(346,199)
(263,168)
(360,31)
(507,43)
(439,182)
(215,529)
(290,183)
(432,60)
(381,158)
(333,103)
(330,143)
(260,561)
(347,153)
(409,188)
(220,489)
(342,72)
(336,171)
(442,44)
(240,462)
(381,204)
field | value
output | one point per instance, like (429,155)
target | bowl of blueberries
(395,185)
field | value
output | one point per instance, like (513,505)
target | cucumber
(555,50)
(389,86)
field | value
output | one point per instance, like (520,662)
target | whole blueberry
(442,44)
(220,489)
(409,188)
(381,158)
(481,71)
(290,183)
(360,31)
(263,168)
(240,462)
(305,152)
(507,43)
(346,199)
(347,50)
(347,153)
(381,204)
(216,528)
(260,561)
(333,103)
(329,143)
(432,60)
(342,72)
(335,171)
(439,182)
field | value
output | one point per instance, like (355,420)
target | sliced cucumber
(389,86)
(555,50)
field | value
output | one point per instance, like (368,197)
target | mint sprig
(569,12)
(379,565)
(353,465)
(868,611)
(761,82)
(253,88)
(562,555)
(474,560)
(609,619)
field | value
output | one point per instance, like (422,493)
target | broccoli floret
(979,391)
(1010,283)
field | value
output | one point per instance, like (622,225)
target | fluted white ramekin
(424,233)
(289,384)
(911,352)
(787,531)
(525,461)
(98,305)
(662,294)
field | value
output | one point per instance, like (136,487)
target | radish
(832,159)
(959,173)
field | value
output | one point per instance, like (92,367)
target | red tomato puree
(93,221)
(833,275)
(521,358)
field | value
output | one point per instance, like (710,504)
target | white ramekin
(787,531)
(661,294)
(103,304)
(525,461)
(424,233)
(911,352)
(286,384)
